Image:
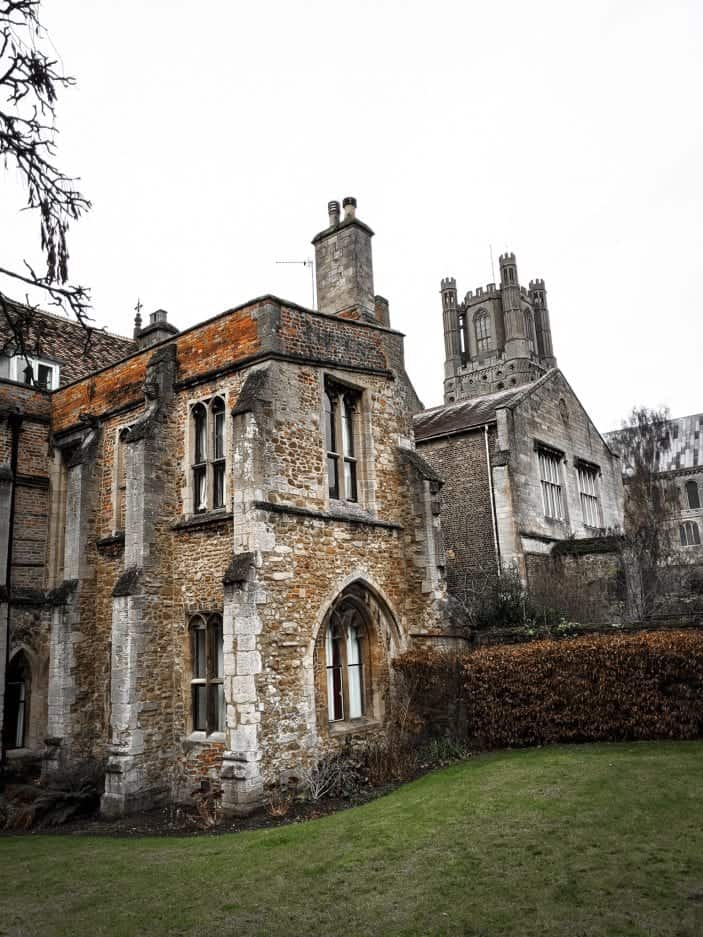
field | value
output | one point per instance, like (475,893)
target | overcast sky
(211,136)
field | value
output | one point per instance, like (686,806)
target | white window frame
(18,364)
(589,495)
(346,451)
(551,483)
(212,463)
(210,676)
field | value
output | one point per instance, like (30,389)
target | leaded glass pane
(329,424)
(200,489)
(199,707)
(199,431)
(218,485)
(199,655)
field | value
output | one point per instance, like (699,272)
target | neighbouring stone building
(680,462)
(678,466)
(526,473)
(227,535)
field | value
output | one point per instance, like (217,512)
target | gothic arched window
(208,449)
(693,495)
(689,533)
(341,407)
(207,674)
(344,651)
(530,330)
(16,702)
(483,332)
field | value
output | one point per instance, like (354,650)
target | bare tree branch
(29,80)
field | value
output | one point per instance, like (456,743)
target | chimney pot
(333,212)
(349,205)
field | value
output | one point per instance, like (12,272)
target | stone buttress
(132,782)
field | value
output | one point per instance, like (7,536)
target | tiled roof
(466,414)
(79,350)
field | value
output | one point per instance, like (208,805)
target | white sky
(211,136)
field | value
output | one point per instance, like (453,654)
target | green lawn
(569,841)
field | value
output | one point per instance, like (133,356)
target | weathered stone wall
(466,508)
(587,586)
(150,564)
(552,415)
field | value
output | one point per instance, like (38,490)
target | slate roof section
(79,351)
(465,414)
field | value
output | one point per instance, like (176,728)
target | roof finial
(138,318)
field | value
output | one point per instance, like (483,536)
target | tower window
(530,330)
(483,333)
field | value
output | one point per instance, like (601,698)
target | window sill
(202,520)
(352,726)
(202,739)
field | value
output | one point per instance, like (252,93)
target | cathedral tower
(497,338)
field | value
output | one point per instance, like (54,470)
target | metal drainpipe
(494,518)
(15,423)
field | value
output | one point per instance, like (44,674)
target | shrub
(67,794)
(597,688)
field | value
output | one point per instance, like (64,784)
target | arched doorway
(16,721)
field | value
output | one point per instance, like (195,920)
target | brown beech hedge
(647,685)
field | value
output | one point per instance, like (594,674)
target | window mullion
(339,446)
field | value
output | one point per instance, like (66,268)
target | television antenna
(305,263)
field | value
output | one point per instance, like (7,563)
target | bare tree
(29,81)
(651,502)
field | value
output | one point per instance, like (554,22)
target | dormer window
(27,369)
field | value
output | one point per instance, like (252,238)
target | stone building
(681,464)
(239,536)
(523,465)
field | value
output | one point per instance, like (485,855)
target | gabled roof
(468,414)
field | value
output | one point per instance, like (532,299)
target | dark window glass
(350,480)
(200,429)
(218,413)
(200,489)
(199,654)
(329,425)
(218,494)
(348,428)
(199,707)
(693,495)
(340,417)
(333,476)
(207,681)
(483,335)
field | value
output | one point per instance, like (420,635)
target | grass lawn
(569,841)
